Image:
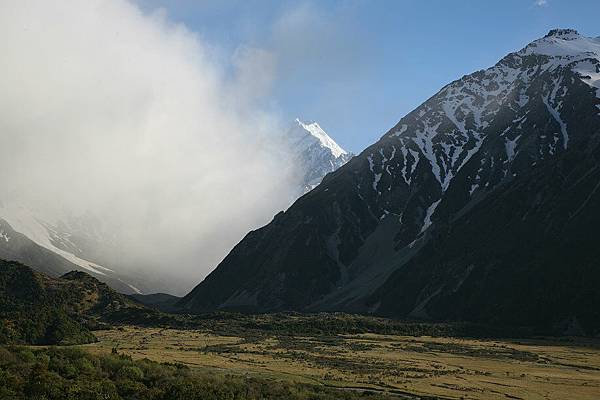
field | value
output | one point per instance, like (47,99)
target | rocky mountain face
(481,205)
(314,153)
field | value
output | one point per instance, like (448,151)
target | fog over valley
(133,126)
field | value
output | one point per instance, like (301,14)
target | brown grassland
(404,366)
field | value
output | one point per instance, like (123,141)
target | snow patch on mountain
(590,73)
(556,115)
(511,145)
(428,215)
(136,290)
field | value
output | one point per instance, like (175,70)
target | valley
(75,333)
(165,235)
(402,366)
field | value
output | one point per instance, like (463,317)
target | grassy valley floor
(402,366)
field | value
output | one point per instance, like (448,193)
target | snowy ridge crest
(316,132)
(314,153)
(565,45)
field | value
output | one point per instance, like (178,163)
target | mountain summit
(482,204)
(315,153)
(316,135)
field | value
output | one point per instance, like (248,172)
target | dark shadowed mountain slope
(478,205)
(158,301)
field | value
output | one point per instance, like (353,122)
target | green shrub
(7,357)
(130,372)
(85,366)
(26,355)
(43,359)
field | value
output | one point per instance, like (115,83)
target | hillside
(38,309)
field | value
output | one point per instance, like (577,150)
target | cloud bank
(111,112)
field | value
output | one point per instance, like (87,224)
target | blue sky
(358,66)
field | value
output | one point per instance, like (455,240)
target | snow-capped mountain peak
(316,132)
(450,128)
(314,152)
(565,44)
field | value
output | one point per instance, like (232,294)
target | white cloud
(107,110)
(541,3)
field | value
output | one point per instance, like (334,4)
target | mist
(142,126)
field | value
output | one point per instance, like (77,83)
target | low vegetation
(74,374)
(403,366)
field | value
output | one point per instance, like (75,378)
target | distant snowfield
(24,221)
